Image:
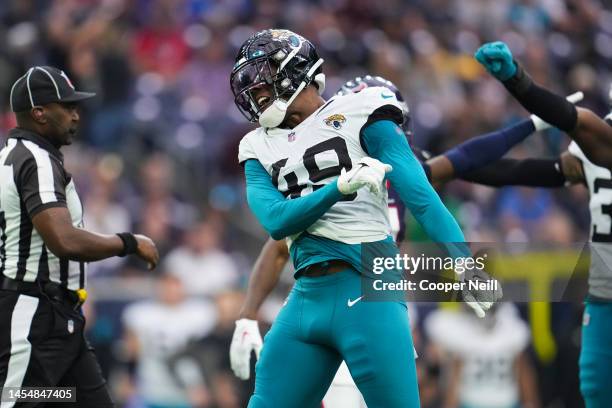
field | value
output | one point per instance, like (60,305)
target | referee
(43,247)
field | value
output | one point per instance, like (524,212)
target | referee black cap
(41,85)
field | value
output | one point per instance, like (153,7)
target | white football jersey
(599,183)
(163,330)
(488,375)
(304,158)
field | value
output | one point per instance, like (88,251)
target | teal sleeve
(280,216)
(385,141)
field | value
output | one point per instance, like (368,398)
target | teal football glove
(497,59)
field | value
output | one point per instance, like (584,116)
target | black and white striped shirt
(32,179)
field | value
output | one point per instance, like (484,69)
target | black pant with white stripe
(42,345)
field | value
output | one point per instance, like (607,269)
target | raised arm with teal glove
(497,59)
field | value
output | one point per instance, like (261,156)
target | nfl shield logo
(70,326)
(63,74)
(291,137)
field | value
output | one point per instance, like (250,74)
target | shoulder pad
(245,148)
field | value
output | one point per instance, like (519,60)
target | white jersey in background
(599,183)
(301,159)
(163,330)
(203,274)
(488,350)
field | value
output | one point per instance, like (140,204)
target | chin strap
(320,81)
(275,113)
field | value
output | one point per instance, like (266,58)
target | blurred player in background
(277,81)
(208,355)
(590,149)
(157,329)
(488,366)
(481,151)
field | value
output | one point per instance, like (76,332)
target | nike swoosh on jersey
(350,302)
(361,165)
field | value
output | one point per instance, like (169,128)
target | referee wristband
(130,245)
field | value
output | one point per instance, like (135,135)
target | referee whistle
(82,294)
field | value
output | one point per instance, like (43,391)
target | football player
(320,154)
(454,163)
(485,361)
(588,161)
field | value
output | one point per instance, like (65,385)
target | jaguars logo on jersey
(336,120)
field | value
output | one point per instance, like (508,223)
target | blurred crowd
(157,151)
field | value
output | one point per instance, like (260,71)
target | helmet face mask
(277,59)
(249,77)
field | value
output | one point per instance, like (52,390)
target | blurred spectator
(104,214)
(159,45)
(155,209)
(203,267)
(521,209)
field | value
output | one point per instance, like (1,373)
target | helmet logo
(257,53)
(293,40)
(286,35)
(336,120)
